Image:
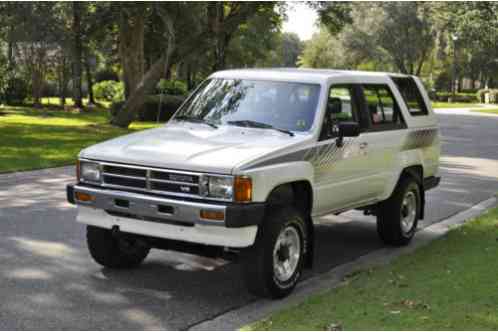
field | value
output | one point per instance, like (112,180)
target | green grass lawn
(486,110)
(442,104)
(451,284)
(33,139)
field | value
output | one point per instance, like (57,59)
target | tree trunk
(216,17)
(135,101)
(89,82)
(62,92)
(36,88)
(131,50)
(77,55)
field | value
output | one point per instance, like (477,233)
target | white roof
(299,74)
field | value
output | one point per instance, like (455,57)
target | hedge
(150,108)
(460,97)
(172,87)
(493,95)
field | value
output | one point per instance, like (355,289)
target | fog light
(213,215)
(83,197)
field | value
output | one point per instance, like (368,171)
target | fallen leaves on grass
(334,327)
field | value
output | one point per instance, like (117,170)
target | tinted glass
(340,104)
(284,105)
(411,95)
(381,105)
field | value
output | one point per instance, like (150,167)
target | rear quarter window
(411,95)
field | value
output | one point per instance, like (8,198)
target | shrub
(493,95)
(480,95)
(16,90)
(150,108)
(109,90)
(460,97)
(172,87)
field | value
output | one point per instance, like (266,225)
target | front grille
(150,180)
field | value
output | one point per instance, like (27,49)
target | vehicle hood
(193,147)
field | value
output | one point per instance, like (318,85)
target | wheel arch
(300,195)
(417,173)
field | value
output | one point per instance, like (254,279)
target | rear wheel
(115,252)
(273,265)
(398,216)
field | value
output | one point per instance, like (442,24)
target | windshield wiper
(256,124)
(195,120)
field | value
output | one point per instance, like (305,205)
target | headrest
(334,105)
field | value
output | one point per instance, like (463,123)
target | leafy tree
(475,24)
(333,15)
(393,34)
(218,20)
(321,51)
(258,42)
(290,49)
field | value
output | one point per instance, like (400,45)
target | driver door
(342,174)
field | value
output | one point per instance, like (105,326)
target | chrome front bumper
(166,210)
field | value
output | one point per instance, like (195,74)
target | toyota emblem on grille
(181,178)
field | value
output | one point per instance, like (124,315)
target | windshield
(283,105)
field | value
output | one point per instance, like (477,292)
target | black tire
(112,252)
(258,261)
(391,212)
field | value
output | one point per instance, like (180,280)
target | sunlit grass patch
(447,285)
(40,138)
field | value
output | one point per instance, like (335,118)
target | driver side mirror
(346,129)
(349,129)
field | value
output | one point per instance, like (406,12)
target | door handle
(363,145)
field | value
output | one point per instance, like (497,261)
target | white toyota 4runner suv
(251,159)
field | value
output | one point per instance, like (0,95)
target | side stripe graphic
(420,138)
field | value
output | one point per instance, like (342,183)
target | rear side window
(411,95)
(382,108)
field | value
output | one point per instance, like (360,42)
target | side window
(411,95)
(341,107)
(381,106)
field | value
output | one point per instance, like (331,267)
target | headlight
(89,171)
(218,187)
(237,188)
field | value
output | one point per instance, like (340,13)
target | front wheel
(273,265)
(115,252)
(398,216)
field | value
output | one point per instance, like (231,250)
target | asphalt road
(48,280)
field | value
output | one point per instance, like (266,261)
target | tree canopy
(64,49)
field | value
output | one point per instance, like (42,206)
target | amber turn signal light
(82,197)
(242,189)
(213,215)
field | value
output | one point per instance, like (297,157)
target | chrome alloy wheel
(408,211)
(286,254)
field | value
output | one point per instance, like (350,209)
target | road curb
(261,308)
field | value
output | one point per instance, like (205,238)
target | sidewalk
(467,111)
